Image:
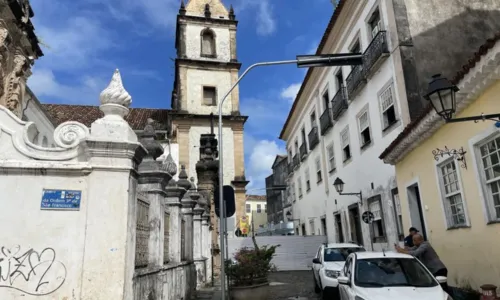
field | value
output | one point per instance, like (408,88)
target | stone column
(187,209)
(153,177)
(199,259)
(173,202)
(205,240)
(114,153)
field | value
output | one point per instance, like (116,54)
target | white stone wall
(228,147)
(365,169)
(221,80)
(33,113)
(222,42)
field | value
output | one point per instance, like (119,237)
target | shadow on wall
(447,46)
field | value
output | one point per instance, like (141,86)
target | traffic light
(228,196)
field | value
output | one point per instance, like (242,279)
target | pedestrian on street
(409,238)
(427,255)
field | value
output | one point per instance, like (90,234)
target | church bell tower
(206,67)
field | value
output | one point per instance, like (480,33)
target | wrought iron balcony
(355,81)
(296,161)
(290,167)
(325,121)
(313,138)
(339,103)
(376,52)
(303,151)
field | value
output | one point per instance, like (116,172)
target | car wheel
(317,289)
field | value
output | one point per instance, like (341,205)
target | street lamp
(302,61)
(441,93)
(339,187)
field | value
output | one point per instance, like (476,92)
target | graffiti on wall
(31,272)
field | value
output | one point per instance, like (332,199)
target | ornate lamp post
(442,95)
(339,187)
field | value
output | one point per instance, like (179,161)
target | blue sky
(87,39)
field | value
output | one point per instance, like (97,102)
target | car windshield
(340,254)
(387,271)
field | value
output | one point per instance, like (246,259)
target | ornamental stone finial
(170,165)
(115,93)
(183,179)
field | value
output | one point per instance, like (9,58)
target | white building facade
(342,118)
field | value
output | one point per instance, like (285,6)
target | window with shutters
(375,23)
(346,147)
(299,187)
(388,107)
(248,208)
(208,43)
(259,208)
(308,179)
(451,191)
(396,204)
(364,128)
(209,96)
(319,176)
(331,158)
(378,232)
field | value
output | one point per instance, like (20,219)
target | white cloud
(290,92)
(260,161)
(263,11)
(44,84)
(266,24)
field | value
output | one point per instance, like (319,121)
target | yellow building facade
(454,199)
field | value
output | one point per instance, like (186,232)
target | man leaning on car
(427,255)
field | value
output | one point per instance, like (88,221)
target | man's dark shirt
(409,241)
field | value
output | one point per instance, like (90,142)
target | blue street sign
(61,199)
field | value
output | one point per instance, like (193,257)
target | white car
(327,264)
(388,275)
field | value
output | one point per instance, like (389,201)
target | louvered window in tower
(208,43)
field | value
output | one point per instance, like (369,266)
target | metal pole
(221,164)
(326,60)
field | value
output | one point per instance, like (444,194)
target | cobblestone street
(292,285)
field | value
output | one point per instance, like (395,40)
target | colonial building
(256,212)
(448,177)
(277,200)
(343,117)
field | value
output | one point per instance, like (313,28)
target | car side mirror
(343,280)
(441,279)
(316,261)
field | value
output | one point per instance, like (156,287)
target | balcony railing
(376,51)
(356,80)
(296,161)
(313,138)
(290,167)
(303,151)
(325,121)
(339,103)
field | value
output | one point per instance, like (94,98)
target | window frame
(363,111)
(214,102)
(213,46)
(331,159)
(382,238)
(299,187)
(314,123)
(307,176)
(248,208)
(259,208)
(346,160)
(487,200)
(319,171)
(389,127)
(444,197)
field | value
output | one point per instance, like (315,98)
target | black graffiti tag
(31,272)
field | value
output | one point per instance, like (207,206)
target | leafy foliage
(251,266)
